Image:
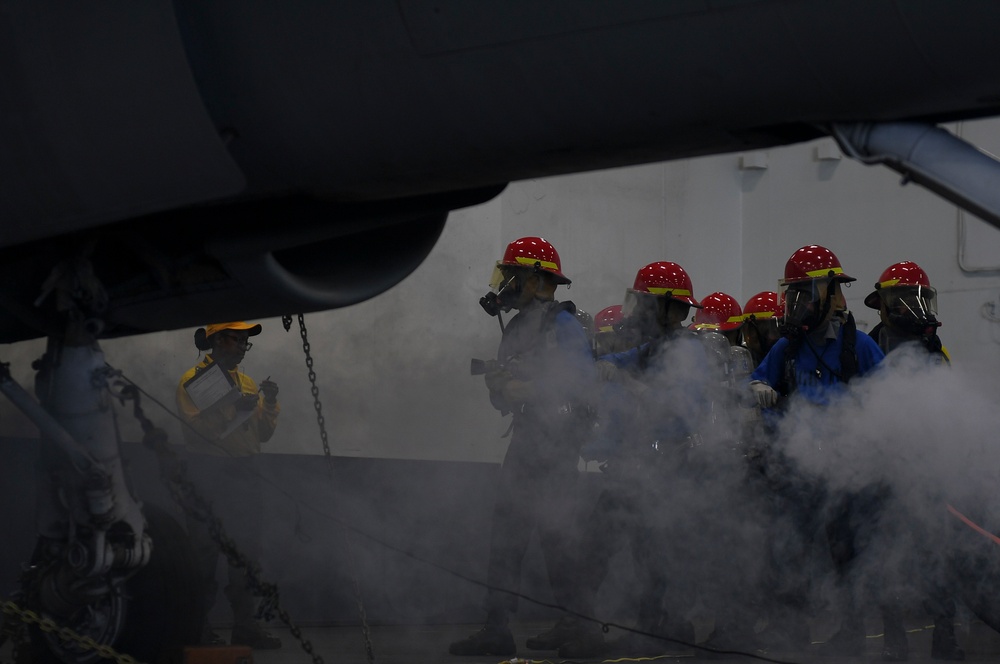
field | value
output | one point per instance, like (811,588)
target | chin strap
(932,342)
(848,354)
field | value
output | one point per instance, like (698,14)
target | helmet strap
(826,305)
(932,342)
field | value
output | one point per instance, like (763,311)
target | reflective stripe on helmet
(669,291)
(825,272)
(548,265)
(716,326)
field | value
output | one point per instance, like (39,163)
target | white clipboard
(212,388)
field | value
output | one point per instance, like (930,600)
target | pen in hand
(270,391)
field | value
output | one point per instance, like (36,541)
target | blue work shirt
(677,373)
(817,364)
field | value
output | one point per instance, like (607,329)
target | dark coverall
(638,502)
(929,567)
(848,518)
(538,479)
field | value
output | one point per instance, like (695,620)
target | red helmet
(535,252)
(665,278)
(719,312)
(813,262)
(904,273)
(607,318)
(763,305)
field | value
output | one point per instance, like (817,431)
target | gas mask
(652,315)
(911,309)
(505,290)
(761,333)
(808,303)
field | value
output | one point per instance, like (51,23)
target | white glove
(766,395)
(606,372)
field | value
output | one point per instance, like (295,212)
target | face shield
(677,312)
(653,314)
(505,288)
(808,304)
(638,305)
(718,347)
(910,308)
(762,331)
(606,342)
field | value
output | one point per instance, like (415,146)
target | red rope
(972,524)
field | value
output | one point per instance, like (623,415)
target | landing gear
(111,571)
(102,621)
(154,613)
(166,603)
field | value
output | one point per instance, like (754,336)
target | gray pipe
(928,155)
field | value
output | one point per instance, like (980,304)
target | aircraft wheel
(159,610)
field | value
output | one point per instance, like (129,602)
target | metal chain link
(365,630)
(317,405)
(185,494)
(15,632)
(47,625)
(321,421)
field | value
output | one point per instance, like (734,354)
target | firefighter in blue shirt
(655,424)
(820,352)
(822,349)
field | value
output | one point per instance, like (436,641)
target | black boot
(731,637)
(567,630)
(255,636)
(490,640)
(895,647)
(944,645)
(849,641)
(788,631)
(638,645)
(210,637)
(587,642)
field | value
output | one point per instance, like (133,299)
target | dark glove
(270,390)
(497,380)
(247,402)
